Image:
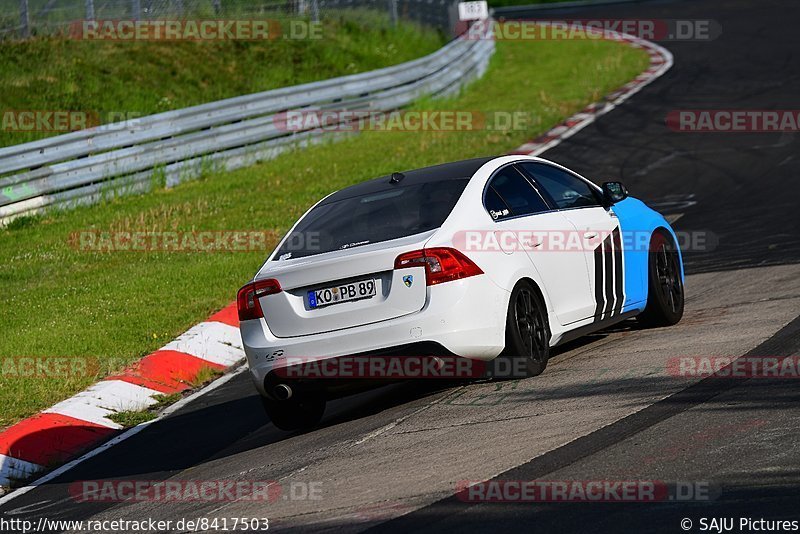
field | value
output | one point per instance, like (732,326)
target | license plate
(364,289)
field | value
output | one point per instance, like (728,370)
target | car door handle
(590,236)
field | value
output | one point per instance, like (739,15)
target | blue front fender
(637,223)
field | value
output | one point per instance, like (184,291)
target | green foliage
(60,301)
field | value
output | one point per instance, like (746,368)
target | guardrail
(167,148)
(511,12)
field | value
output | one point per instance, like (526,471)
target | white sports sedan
(469,261)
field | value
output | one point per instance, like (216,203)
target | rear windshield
(373,217)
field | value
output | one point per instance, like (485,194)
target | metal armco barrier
(166,148)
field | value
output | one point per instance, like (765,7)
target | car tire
(665,296)
(297,413)
(527,331)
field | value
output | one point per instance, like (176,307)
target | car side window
(566,191)
(510,194)
(495,205)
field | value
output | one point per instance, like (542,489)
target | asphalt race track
(606,408)
(739,186)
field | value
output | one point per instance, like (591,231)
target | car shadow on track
(230,421)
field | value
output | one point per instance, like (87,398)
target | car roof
(447,171)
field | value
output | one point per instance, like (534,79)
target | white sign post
(473,10)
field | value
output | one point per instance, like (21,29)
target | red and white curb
(661,61)
(60,434)
(73,426)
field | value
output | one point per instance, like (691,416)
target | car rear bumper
(466,317)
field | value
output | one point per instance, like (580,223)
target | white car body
(467,317)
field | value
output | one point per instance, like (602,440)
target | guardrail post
(89,9)
(136,9)
(314,11)
(452,11)
(217,7)
(393,11)
(24,19)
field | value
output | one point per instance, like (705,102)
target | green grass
(111,79)
(57,301)
(131,418)
(205,375)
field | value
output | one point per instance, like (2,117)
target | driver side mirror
(614,192)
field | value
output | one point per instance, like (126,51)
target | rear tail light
(247,298)
(441,264)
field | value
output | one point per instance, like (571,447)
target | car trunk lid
(292,312)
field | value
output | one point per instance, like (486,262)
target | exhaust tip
(282,392)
